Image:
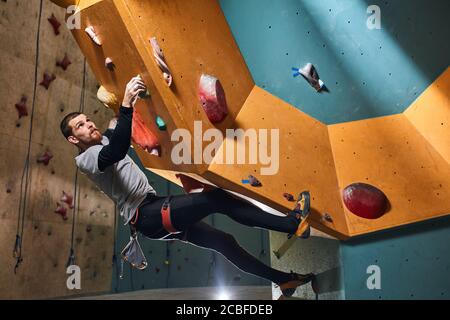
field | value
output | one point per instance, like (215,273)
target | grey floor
(209,293)
(320,255)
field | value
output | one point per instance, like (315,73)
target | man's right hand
(134,88)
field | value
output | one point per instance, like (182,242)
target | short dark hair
(65,127)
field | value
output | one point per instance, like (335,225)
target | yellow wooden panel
(196,39)
(118,45)
(430,114)
(200,41)
(305,161)
(390,154)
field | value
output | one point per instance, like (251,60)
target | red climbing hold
(55,24)
(212,98)
(68,199)
(365,201)
(61,210)
(45,158)
(22,108)
(64,63)
(47,80)
(143,136)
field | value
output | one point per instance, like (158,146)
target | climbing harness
(166,218)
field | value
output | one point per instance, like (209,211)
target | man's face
(84,132)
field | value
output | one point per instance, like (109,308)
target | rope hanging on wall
(17,251)
(76,197)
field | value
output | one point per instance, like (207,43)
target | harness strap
(166,219)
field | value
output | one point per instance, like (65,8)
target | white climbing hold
(91,32)
(160,61)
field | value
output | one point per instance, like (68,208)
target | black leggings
(188,210)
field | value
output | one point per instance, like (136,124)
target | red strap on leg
(166,219)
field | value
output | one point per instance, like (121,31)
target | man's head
(79,130)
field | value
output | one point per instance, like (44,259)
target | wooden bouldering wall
(46,236)
(318,157)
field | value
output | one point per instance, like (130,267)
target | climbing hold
(47,80)
(365,201)
(68,199)
(157,270)
(327,218)
(55,24)
(310,74)
(45,158)
(212,98)
(91,32)
(146,94)
(160,123)
(109,64)
(64,63)
(160,61)
(167,262)
(254,182)
(61,210)
(17,251)
(143,136)
(88,228)
(107,98)
(288,196)
(21,107)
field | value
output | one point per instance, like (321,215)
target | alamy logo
(374,21)
(74,281)
(73,20)
(374,281)
(219,153)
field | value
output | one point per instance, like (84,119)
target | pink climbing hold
(212,98)
(47,80)
(45,158)
(22,108)
(365,201)
(109,64)
(61,210)
(64,63)
(68,199)
(55,24)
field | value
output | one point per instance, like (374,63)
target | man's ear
(73,140)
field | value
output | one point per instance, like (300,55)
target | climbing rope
(76,197)
(17,251)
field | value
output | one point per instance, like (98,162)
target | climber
(104,159)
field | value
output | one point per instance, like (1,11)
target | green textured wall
(369,73)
